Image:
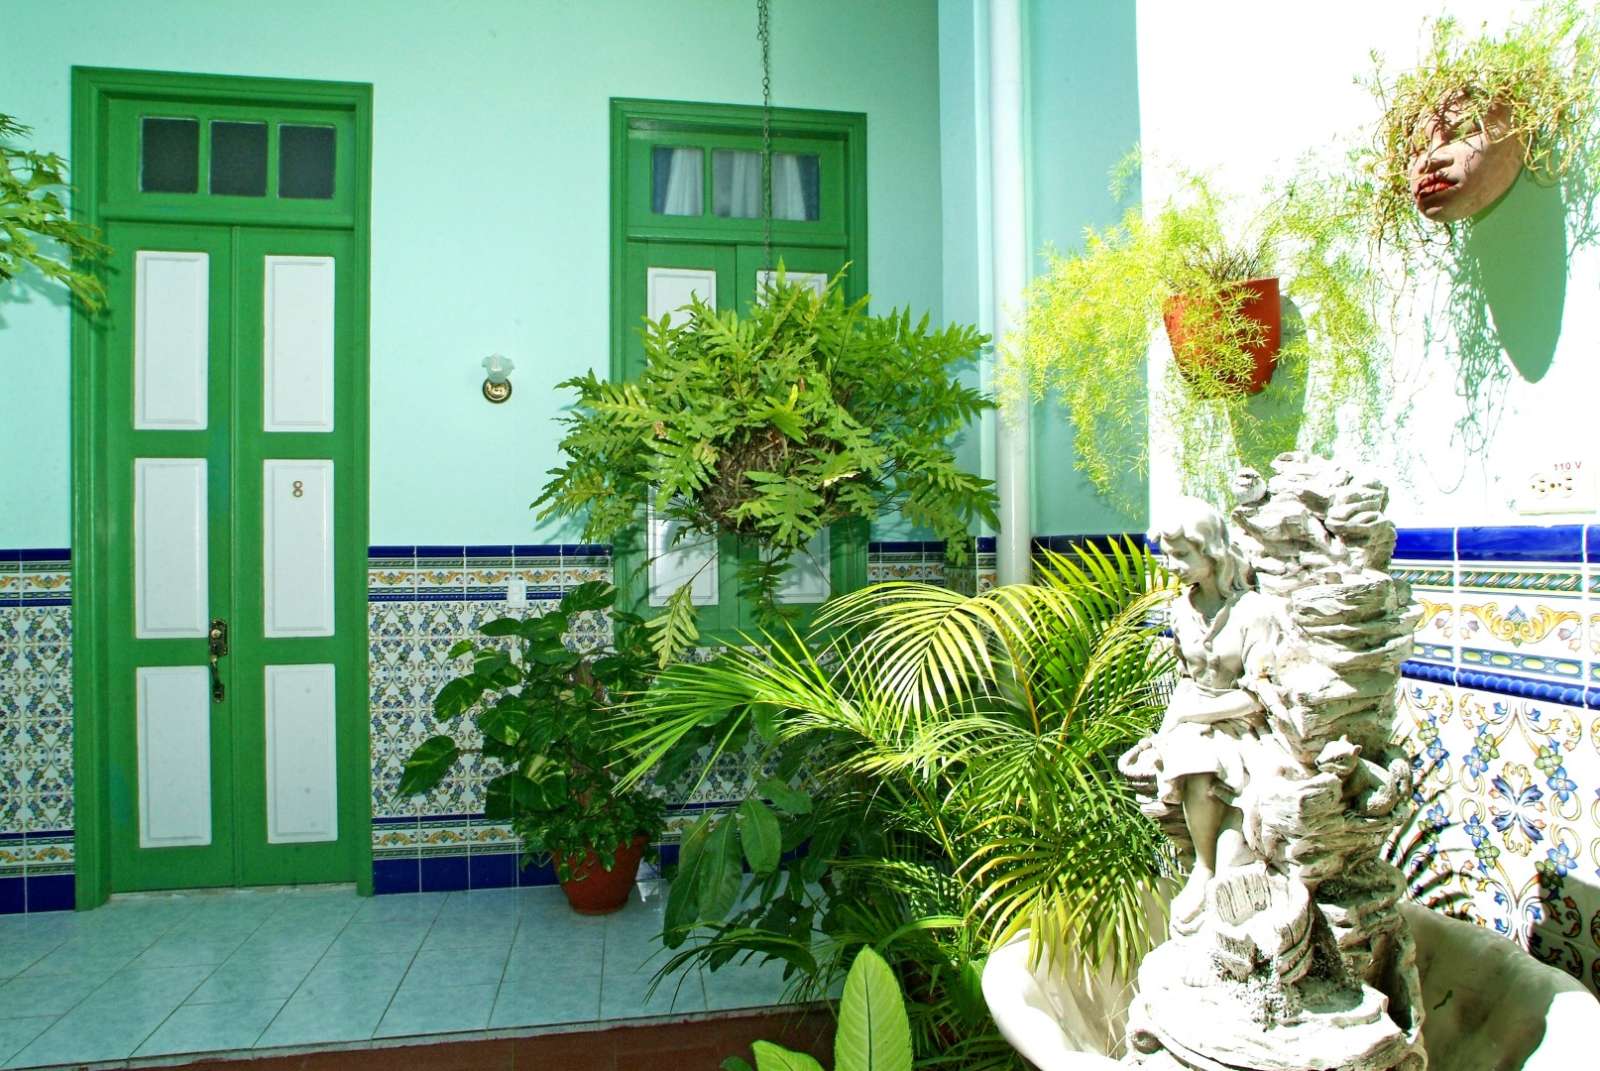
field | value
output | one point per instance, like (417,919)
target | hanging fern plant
(771,426)
(35,225)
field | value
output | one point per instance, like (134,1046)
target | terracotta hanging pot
(1463,166)
(594,890)
(1262,305)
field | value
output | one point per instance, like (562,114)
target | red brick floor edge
(699,1045)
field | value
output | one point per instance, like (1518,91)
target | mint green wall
(490,204)
(1082,99)
(1083,104)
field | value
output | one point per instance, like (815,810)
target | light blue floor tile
(375,938)
(569,996)
(456,967)
(309,1019)
(355,975)
(186,947)
(46,995)
(211,1028)
(442,1010)
(83,960)
(302,948)
(626,994)
(15,1033)
(152,989)
(17,955)
(93,1034)
(478,933)
(419,908)
(251,980)
(744,985)
(535,954)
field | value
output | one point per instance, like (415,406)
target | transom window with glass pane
(224,154)
(691,190)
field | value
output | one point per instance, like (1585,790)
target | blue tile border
(1425,544)
(1529,543)
(37,554)
(1547,691)
(386,551)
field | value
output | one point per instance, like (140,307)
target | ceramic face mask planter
(1462,165)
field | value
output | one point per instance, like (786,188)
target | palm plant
(933,772)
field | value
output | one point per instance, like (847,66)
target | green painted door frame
(234,232)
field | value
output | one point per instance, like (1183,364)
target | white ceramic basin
(1490,1005)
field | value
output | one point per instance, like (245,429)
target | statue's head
(1194,536)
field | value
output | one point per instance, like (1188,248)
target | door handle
(219,647)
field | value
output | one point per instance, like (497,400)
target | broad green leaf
(511,794)
(460,648)
(760,835)
(683,893)
(720,877)
(428,764)
(501,626)
(592,595)
(874,1033)
(457,697)
(734,1063)
(784,796)
(770,1057)
(505,722)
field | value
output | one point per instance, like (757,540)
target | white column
(1009,241)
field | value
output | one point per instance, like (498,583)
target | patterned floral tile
(1433,592)
(1523,620)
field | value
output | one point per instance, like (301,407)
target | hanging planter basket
(1261,306)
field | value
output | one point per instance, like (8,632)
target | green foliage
(1090,316)
(31,210)
(873,1035)
(942,772)
(771,426)
(1544,71)
(541,719)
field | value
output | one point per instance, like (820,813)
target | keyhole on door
(299,489)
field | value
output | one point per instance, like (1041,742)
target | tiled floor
(166,974)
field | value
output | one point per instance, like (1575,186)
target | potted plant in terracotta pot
(540,706)
(1475,112)
(1220,279)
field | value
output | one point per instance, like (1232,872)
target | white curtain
(683,184)
(736,186)
(788,199)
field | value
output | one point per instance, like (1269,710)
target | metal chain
(764,35)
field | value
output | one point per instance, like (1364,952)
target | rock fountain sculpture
(1289,947)
(1274,775)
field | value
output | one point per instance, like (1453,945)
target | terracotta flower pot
(1262,305)
(594,890)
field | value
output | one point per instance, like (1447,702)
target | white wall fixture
(297,515)
(497,369)
(302,760)
(170,344)
(173,715)
(170,553)
(297,344)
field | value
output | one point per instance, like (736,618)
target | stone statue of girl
(1216,726)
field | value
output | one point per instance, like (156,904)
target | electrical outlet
(516,592)
(1565,486)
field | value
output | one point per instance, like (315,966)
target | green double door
(235,576)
